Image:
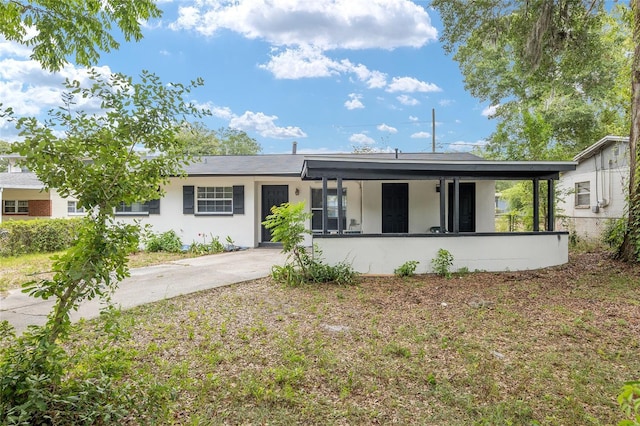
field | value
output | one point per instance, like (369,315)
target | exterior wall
(371,254)
(608,177)
(38,206)
(245,229)
(424,206)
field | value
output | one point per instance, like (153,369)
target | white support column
(1,207)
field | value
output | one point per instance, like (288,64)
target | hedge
(19,237)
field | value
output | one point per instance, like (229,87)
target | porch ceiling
(404,169)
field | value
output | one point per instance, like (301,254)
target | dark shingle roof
(291,164)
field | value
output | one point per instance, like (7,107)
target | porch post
(339,191)
(1,206)
(551,205)
(456,205)
(536,205)
(325,218)
(443,203)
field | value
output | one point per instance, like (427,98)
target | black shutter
(238,199)
(154,206)
(187,199)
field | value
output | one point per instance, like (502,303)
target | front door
(467,222)
(272,195)
(395,207)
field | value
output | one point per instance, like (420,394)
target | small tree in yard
(287,225)
(98,163)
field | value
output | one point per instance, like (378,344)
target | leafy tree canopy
(546,64)
(199,140)
(5,148)
(80,29)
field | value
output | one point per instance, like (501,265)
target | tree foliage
(5,148)
(94,157)
(59,30)
(556,62)
(199,140)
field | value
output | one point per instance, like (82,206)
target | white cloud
(489,111)
(327,24)
(264,125)
(421,135)
(413,118)
(354,102)
(411,85)
(407,100)
(361,138)
(386,128)
(222,112)
(446,102)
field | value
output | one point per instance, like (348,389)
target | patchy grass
(540,347)
(15,271)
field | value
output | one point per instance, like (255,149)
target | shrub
(213,247)
(407,269)
(629,401)
(614,231)
(37,236)
(442,263)
(167,241)
(287,226)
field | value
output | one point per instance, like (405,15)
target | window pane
(9,206)
(583,194)
(23,207)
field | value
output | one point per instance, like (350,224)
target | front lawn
(541,347)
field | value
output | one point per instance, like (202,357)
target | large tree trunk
(629,250)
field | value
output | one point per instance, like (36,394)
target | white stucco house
(375,211)
(595,192)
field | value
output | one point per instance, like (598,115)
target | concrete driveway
(153,283)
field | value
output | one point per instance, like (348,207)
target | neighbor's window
(72,208)
(214,199)
(332,209)
(583,194)
(133,208)
(15,207)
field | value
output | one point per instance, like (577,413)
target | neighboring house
(375,211)
(595,192)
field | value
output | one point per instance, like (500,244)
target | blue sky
(329,74)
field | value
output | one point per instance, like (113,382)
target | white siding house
(373,210)
(595,192)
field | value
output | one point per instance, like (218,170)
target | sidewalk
(153,283)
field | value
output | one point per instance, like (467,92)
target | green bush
(442,263)
(407,269)
(213,247)
(37,236)
(629,401)
(167,241)
(614,231)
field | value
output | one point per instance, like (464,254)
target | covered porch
(458,204)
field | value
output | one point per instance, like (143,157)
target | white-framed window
(332,209)
(214,199)
(583,194)
(133,208)
(72,208)
(15,206)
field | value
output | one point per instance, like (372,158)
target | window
(583,194)
(72,208)
(15,207)
(133,208)
(332,209)
(214,199)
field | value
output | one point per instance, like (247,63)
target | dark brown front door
(272,195)
(395,207)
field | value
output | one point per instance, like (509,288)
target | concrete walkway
(153,283)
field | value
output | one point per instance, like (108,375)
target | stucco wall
(493,252)
(607,174)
